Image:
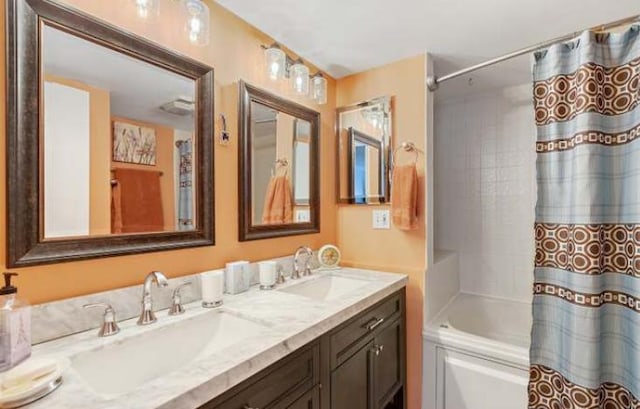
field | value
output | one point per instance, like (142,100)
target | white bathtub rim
(449,338)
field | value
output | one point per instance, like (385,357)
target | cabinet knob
(377,349)
(248,407)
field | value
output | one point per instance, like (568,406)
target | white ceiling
(343,37)
(137,89)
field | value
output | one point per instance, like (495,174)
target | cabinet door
(387,363)
(310,400)
(351,386)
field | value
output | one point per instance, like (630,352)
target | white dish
(30,390)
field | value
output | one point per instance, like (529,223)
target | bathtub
(476,354)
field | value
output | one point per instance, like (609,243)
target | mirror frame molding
(25,244)
(247,230)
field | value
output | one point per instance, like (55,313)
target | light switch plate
(381,219)
(303,216)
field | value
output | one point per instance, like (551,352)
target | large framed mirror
(364,141)
(109,140)
(279,184)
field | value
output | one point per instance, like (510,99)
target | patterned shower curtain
(585,349)
(185,195)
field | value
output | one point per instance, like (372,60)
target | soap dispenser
(15,326)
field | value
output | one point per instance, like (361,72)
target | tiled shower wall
(485,189)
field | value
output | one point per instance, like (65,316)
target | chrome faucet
(147,316)
(296,268)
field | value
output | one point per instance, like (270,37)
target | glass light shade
(276,62)
(147,9)
(299,74)
(319,89)
(197,22)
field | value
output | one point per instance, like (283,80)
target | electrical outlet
(303,216)
(381,219)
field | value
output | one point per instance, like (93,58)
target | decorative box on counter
(237,277)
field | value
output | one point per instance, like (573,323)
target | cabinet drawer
(279,385)
(347,336)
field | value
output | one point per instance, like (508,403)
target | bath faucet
(296,269)
(147,316)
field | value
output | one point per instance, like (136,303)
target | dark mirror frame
(357,136)
(247,230)
(25,243)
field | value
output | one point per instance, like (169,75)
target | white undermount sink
(123,366)
(326,288)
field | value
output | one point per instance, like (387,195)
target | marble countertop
(290,321)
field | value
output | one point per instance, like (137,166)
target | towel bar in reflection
(115,181)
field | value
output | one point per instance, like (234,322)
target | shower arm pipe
(433,82)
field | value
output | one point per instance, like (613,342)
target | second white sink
(326,288)
(123,366)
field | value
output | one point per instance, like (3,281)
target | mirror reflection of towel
(404,197)
(136,202)
(278,202)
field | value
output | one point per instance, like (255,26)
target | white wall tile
(485,189)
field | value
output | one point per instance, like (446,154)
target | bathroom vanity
(335,339)
(359,364)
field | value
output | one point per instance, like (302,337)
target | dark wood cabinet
(361,364)
(310,400)
(370,371)
(388,365)
(351,382)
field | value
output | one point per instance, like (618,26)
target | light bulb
(197,21)
(300,78)
(319,88)
(276,62)
(147,9)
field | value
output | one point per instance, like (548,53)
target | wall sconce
(195,13)
(147,9)
(319,88)
(276,61)
(299,77)
(280,65)
(197,21)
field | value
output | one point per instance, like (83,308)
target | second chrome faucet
(147,316)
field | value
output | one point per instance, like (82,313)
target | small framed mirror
(279,186)
(364,140)
(109,140)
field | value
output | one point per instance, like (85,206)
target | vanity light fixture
(299,78)
(195,13)
(147,9)
(279,65)
(319,88)
(197,21)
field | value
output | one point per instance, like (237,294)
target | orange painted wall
(165,149)
(392,250)
(235,53)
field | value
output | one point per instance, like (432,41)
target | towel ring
(281,162)
(407,147)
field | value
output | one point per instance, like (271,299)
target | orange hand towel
(136,202)
(404,197)
(278,203)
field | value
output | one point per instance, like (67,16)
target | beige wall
(165,150)
(235,53)
(392,250)
(99,148)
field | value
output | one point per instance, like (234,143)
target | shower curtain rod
(433,82)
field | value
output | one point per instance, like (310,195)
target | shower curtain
(185,193)
(585,350)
